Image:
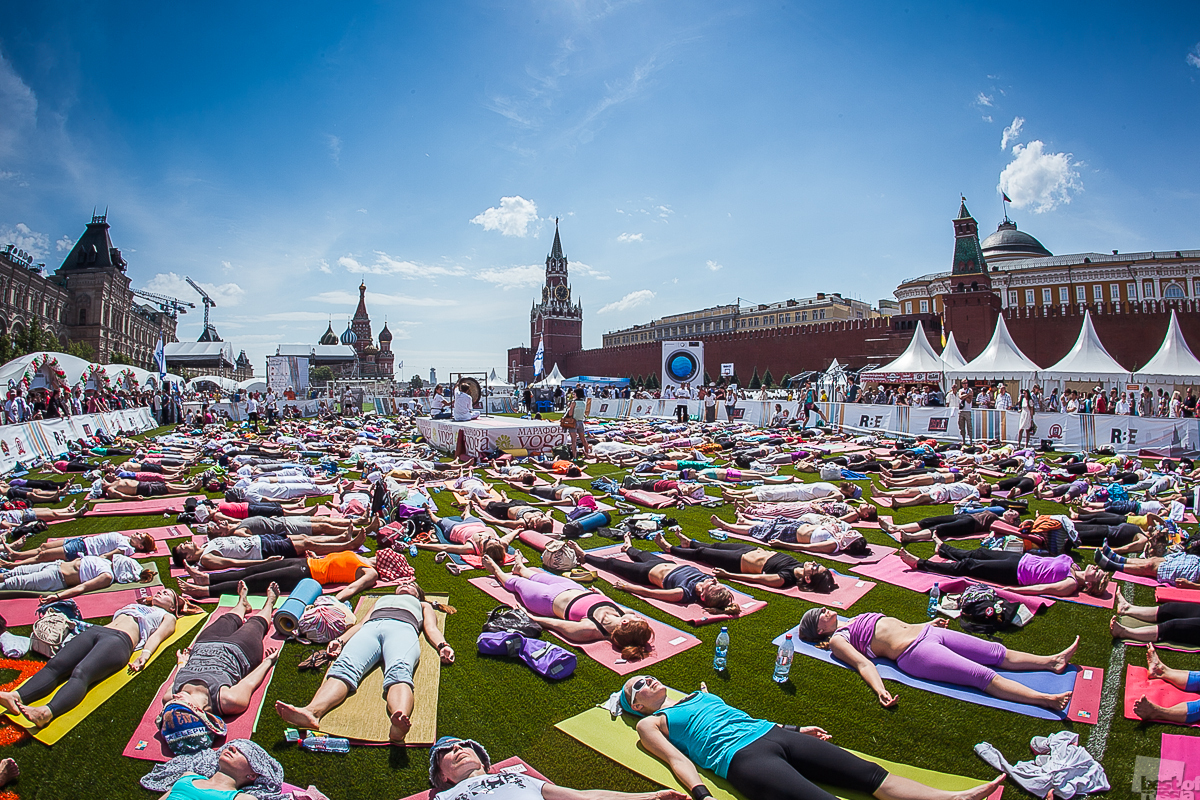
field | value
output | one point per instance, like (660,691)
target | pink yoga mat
(23,610)
(1141,580)
(694,613)
(878,552)
(1164,594)
(161,535)
(538,480)
(892,570)
(848,592)
(668,640)
(1179,762)
(1138,682)
(154,505)
(239,727)
(513,764)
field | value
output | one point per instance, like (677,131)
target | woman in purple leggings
(932,652)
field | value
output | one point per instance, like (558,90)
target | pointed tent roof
(555,378)
(833,367)
(1173,360)
(918,359)
(1001,360)
(951,354)
(1087,360)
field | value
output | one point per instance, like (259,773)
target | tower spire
(968,256)
(556,250)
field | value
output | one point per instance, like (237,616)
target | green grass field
(512,712)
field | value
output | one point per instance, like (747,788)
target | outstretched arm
(844,651)
(153,642)
(575,631)
(652,732)
(367,578)
(670,595)
(771,580)
(236,699)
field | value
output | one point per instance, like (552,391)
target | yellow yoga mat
(363,717)
(60,726)
(618,739)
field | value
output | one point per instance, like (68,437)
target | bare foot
(518,559)
(9,702)
(981,791)
(684,541)
(1154,665)
(401,725)
(1145,709)
(197,575)
(1118,630)
(1123,605)
(662,542)
(1061,660)
(580,553)
(937,543)
(273,593)
(192,590)
(885,524)
(300,717)
(908,558)
(9,771)
(38,715)
(494,568)
(628,542)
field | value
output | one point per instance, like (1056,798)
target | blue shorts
(392,641)
(73,549)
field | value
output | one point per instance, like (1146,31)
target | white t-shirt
(248,548)
(501,786)
(104,543)
(93,567)
(148,619)
(464,404)
(437,403)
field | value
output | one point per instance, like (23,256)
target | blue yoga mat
(1042,680)
(457,559)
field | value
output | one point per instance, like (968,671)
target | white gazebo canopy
(951,354)
(225,384)
(1087,360)
(1174,362)
(77,370)
(495,382)
(253,385)
(919,363)
(1001,360)
(555,378)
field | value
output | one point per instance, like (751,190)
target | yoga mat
(892,570)
(878,552)
(1138,683)
(239,727)
(1179,761)
(98,694)
(469,560)
(23,610)
(363,717)
(693,613)
(1034,603)
(112,587)
(1165,594)
(511,764)
(668,640)
(154,505)
(618,740)
(1130,622)
(538,480)
(1141,580)
(1085,682)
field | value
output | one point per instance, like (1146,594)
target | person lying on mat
(812,533)
(750,564)
(932,478)
(64,466)
(473,488)
(861,512)
(1024,573)
(357,572)
(218,675)
(72,578)
(575,613)
(932,652)
(514,514)
(1185,713)
(727,476)
(95,654)
(761,760)
(391,636)
(459,770)
(793,493)
(949,526)
(648,575)
(71,548)
(21,516)
(932,495)
(129,489)
(229,552)
(469,536)
(240,764)
(1179,568)
(21,489)
(1168,622)
(231,513)
(559,494)
(670,488)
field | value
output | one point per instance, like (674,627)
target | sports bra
(586,606)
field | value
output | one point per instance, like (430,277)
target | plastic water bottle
(326,744)
(935,595)
(412,550)
(722,652)
(783,660)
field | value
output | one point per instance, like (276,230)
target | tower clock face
(561,293)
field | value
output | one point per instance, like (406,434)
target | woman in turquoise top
(233,773)
(761,760)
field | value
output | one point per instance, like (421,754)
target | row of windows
(1171,291)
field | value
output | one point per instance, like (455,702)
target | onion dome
(349,336)
(329,337)
(385,335)
(370,350)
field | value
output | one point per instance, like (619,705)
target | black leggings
(1101,518)
(950,526)
(46,486)
(83,661)
(246,635)
(1179,622)
(1022,485)
(996,566)
(635,571)
(726,555)
(287,573)
(1076,469)
(1006,463)
(787,765)
(1126,478)
(908,473)
(1092,535)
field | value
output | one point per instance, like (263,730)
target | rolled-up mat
(1165,594)
(1085,682)
(1138,683)
(287,616)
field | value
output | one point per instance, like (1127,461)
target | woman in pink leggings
(932,652)
(575,613)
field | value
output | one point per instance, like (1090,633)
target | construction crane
(210,332)
(168,305)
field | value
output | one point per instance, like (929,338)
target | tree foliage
(320,375)
(81,350)
(120,358)
(767,380)
(755,381)
(415,383)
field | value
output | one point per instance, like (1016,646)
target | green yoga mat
(112,587)
(618,739)
(1130,622)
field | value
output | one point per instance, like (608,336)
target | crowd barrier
(48,437)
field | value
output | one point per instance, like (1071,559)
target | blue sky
(696,152)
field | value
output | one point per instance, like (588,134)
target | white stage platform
(489,433)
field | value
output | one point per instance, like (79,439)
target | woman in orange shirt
(357,572)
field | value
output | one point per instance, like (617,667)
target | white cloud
(714,266)
(982,99)
(377,299)
(1011,132)
(335,147)
(65,243)
(1039,180)
(323,265)
(987,118)
(580,268)
(1193,57)
(20,107)
(32,242)
(629,237)
(225,265)
(512,218)
(513,277)
(172,285)
(388,265)
(362,211)
(664,211)
(631,300)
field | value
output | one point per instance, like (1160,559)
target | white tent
(75,371)
(225,384)
(919,363)
(145,378)
(555,378)
(253,385)
(951,355)
(494,382)
(1173,361)
(1087,360)
(1001,360)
